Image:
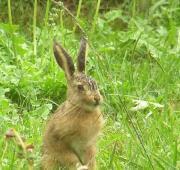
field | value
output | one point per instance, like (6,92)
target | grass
(133,56)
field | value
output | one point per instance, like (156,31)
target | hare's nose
(97,99)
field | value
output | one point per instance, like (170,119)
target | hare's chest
(87,133)
(88,128)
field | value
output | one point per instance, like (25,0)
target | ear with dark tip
(81,60)
(64,60)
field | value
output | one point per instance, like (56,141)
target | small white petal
(149,114)
(140,105)
(157,105)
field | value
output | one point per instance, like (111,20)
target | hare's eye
(80,87)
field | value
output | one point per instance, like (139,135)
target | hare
(71,132)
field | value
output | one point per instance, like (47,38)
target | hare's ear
(81,60)
(64,60)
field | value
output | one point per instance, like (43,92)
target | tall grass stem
(47,12)
(61,20)
(34,28)
(95,16)
(133,8)
(11,27)
(9,12)
(4,151)
(78,13)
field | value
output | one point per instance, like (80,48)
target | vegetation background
(134,55)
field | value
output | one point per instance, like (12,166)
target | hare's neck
(70,102)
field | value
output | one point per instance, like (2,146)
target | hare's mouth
(90,107)
(91,104)
(95,103)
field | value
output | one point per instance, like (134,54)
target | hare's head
(82,90)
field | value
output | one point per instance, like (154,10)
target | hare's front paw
(81,167)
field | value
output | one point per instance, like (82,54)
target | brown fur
(72,131)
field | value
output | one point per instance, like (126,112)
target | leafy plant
(134,55)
